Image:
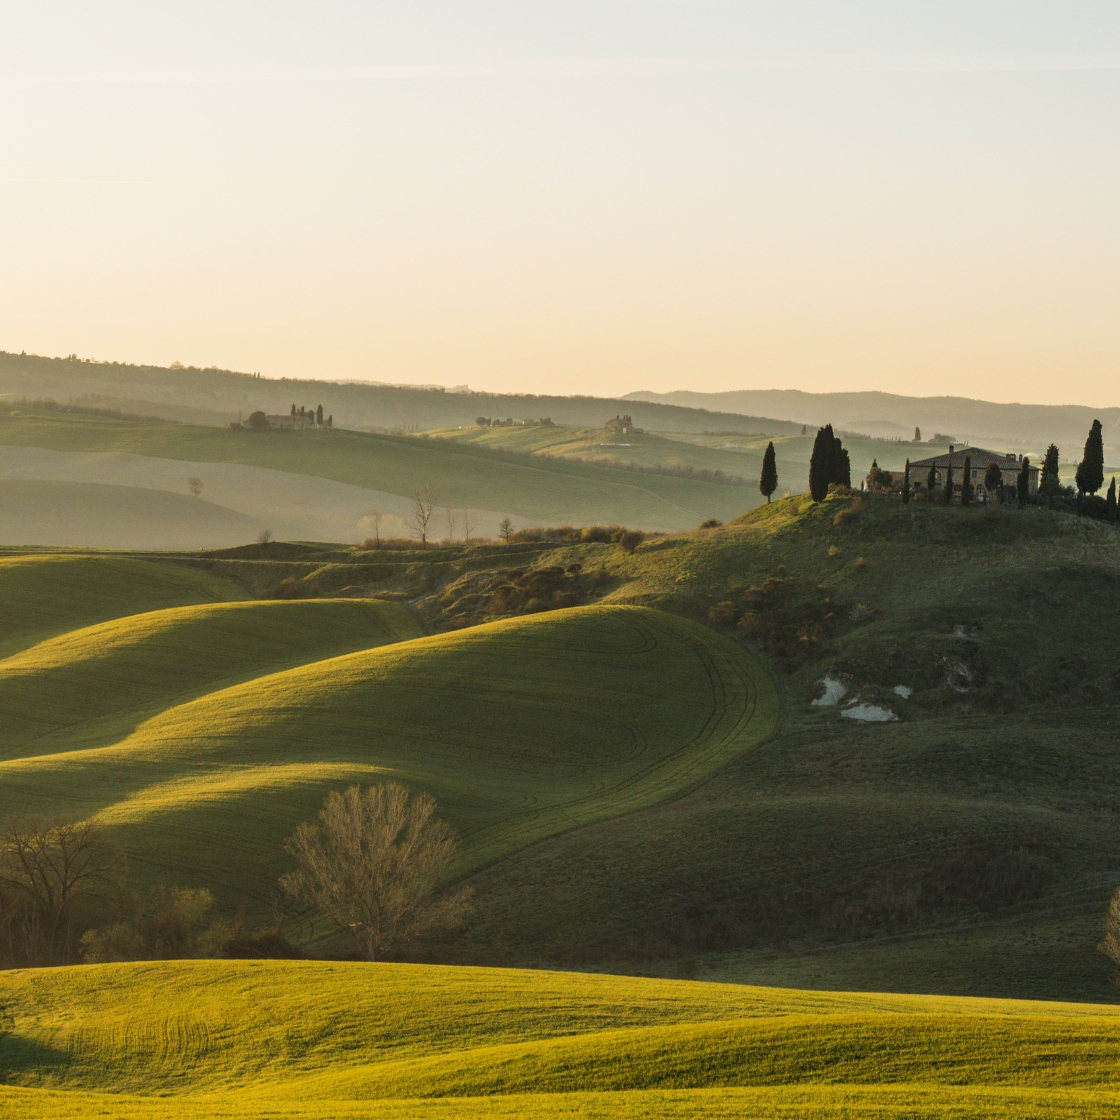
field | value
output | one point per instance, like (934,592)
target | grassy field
(93,686)
(46,593)
(459,476)
(305,1039)
(520,728)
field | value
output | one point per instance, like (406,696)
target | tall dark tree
(1090,471)
(768,483)
(931,482)
(843,467)
(949,483)
(1111,499)
(906,483)
(820,464)
(966,482)
(293,410)
(917,435)
(1023,483)
(993,480)
(1049,484)
(319,416)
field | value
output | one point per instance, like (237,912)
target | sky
(571,197)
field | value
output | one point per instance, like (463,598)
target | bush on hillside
(164,924)
(630,540)
(372,864)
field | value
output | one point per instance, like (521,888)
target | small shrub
(630,540)
(860,564)
(833,551)
(724,614)
(595,534)
(711,523)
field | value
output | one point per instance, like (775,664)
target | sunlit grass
(307,1039)
(520,729)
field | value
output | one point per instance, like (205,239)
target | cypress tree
(1111,499)
(1049,484)
(966,485)
(949,483)
(906,483)
(993,480)
(1022,485)
(820,464)
(931,482)
(319,416)
(1090,471)
(843,467)
(768,483)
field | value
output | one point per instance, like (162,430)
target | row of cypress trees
(831,465)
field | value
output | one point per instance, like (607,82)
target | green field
(229,1039)
(642,783)
(459,476)
(520,728)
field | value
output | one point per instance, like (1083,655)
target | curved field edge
(43,594)
(94,685)
(309,1039)
(520,729)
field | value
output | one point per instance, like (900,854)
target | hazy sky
(571,197)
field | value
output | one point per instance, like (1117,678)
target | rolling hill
(520,729)
(528,489)
(215,396)
(47,593)
(1023,427)
(233,1039)
(92,686)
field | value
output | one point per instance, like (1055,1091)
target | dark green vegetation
(617,811)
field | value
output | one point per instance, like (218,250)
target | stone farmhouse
(1009,466)
(285,422)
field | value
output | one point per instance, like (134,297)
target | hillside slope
(280,1039)
(520,729)
(459,476)
(47,593)
(1019,426)
(92,686)
(213,396)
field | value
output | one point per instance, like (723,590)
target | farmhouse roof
(980,460)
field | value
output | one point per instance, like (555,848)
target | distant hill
(1023,427)
(217,396)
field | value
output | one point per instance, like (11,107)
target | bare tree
(423,506)
(373,863)
(194,484)
(1110,946)
(374,518)
(45,863)
(264,536)
(505,529)
(468,525)
(450,524)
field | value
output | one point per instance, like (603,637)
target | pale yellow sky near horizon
(571,197)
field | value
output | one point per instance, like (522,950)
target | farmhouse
(622,424)
(1009,466)
(295,420)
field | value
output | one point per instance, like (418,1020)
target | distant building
(284,421)
(622,424)
(1009,467)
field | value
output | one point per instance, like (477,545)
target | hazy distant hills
(213,396)
(1023,427)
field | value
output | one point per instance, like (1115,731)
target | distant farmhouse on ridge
(1009,466)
